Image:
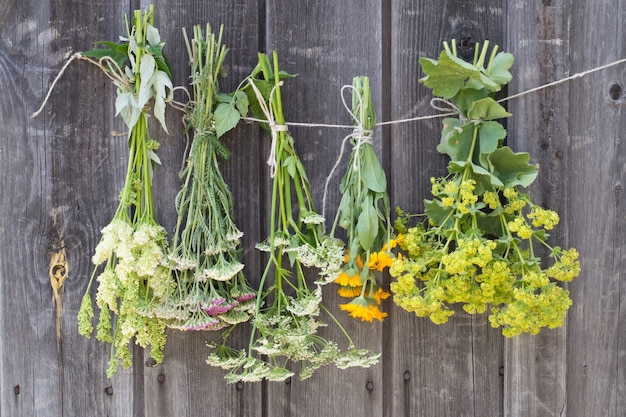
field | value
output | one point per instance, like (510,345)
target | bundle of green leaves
(287,312)
(211,290)
(364,213)
(133,245)
(481,242)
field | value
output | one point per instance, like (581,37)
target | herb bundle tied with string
(133,245)
(482,241)
(288,309)
(211,291)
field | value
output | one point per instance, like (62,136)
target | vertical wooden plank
(327,43)
(184,384)
(61,174)
(535,366)
(595,368)
(451,369)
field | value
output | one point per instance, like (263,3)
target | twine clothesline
(455,112)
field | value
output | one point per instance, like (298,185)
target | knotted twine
(360,135)
(271,121)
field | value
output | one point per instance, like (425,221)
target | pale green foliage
(482,241)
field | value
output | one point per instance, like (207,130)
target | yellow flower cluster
(469,255)
(356,281)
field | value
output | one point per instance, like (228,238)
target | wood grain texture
(535,367)
(595,168)
(60,175)
(451,369)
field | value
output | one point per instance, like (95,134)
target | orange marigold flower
(378,295)
(348,291)
(379,260)
(361,308)
(346,280)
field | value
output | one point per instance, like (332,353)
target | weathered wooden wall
(60,175)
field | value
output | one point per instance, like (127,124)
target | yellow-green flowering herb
(133,245)
(482,240)
(288,307)
(364,213)
(211,291)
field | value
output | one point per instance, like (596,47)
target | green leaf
(437,213)
(162,62)
(241,102)
(456,139)
(367,224)
(447,75)
(512,168)
(490,136)
(371,171)
(485,180)
(290,164)
(117,52)
(226,118)
(499,70)
(486,109)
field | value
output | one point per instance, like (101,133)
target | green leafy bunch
(364,212)
(211,291)
(482,240)
(288,307)
(133,245)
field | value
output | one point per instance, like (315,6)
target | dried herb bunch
(481,242)
(133,245)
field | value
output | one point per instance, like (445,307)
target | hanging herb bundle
(365,214)
(211,291)
(133,246)
(287,312)
(481,243)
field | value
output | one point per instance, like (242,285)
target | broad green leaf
(371,171)
(490,136)
(486,109)
(241,102)
(513,168)
(367,223)
(467,96)
(456,139)
(119,55)
(226,118)
(485,180)
(499,71)
(447,75)
(437,213)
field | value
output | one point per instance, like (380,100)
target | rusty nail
(161,378)
(239,385)
(109,390)
(407,375)
(16,390)
(369,385)
(559,154)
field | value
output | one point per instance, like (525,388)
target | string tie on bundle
(271,121)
